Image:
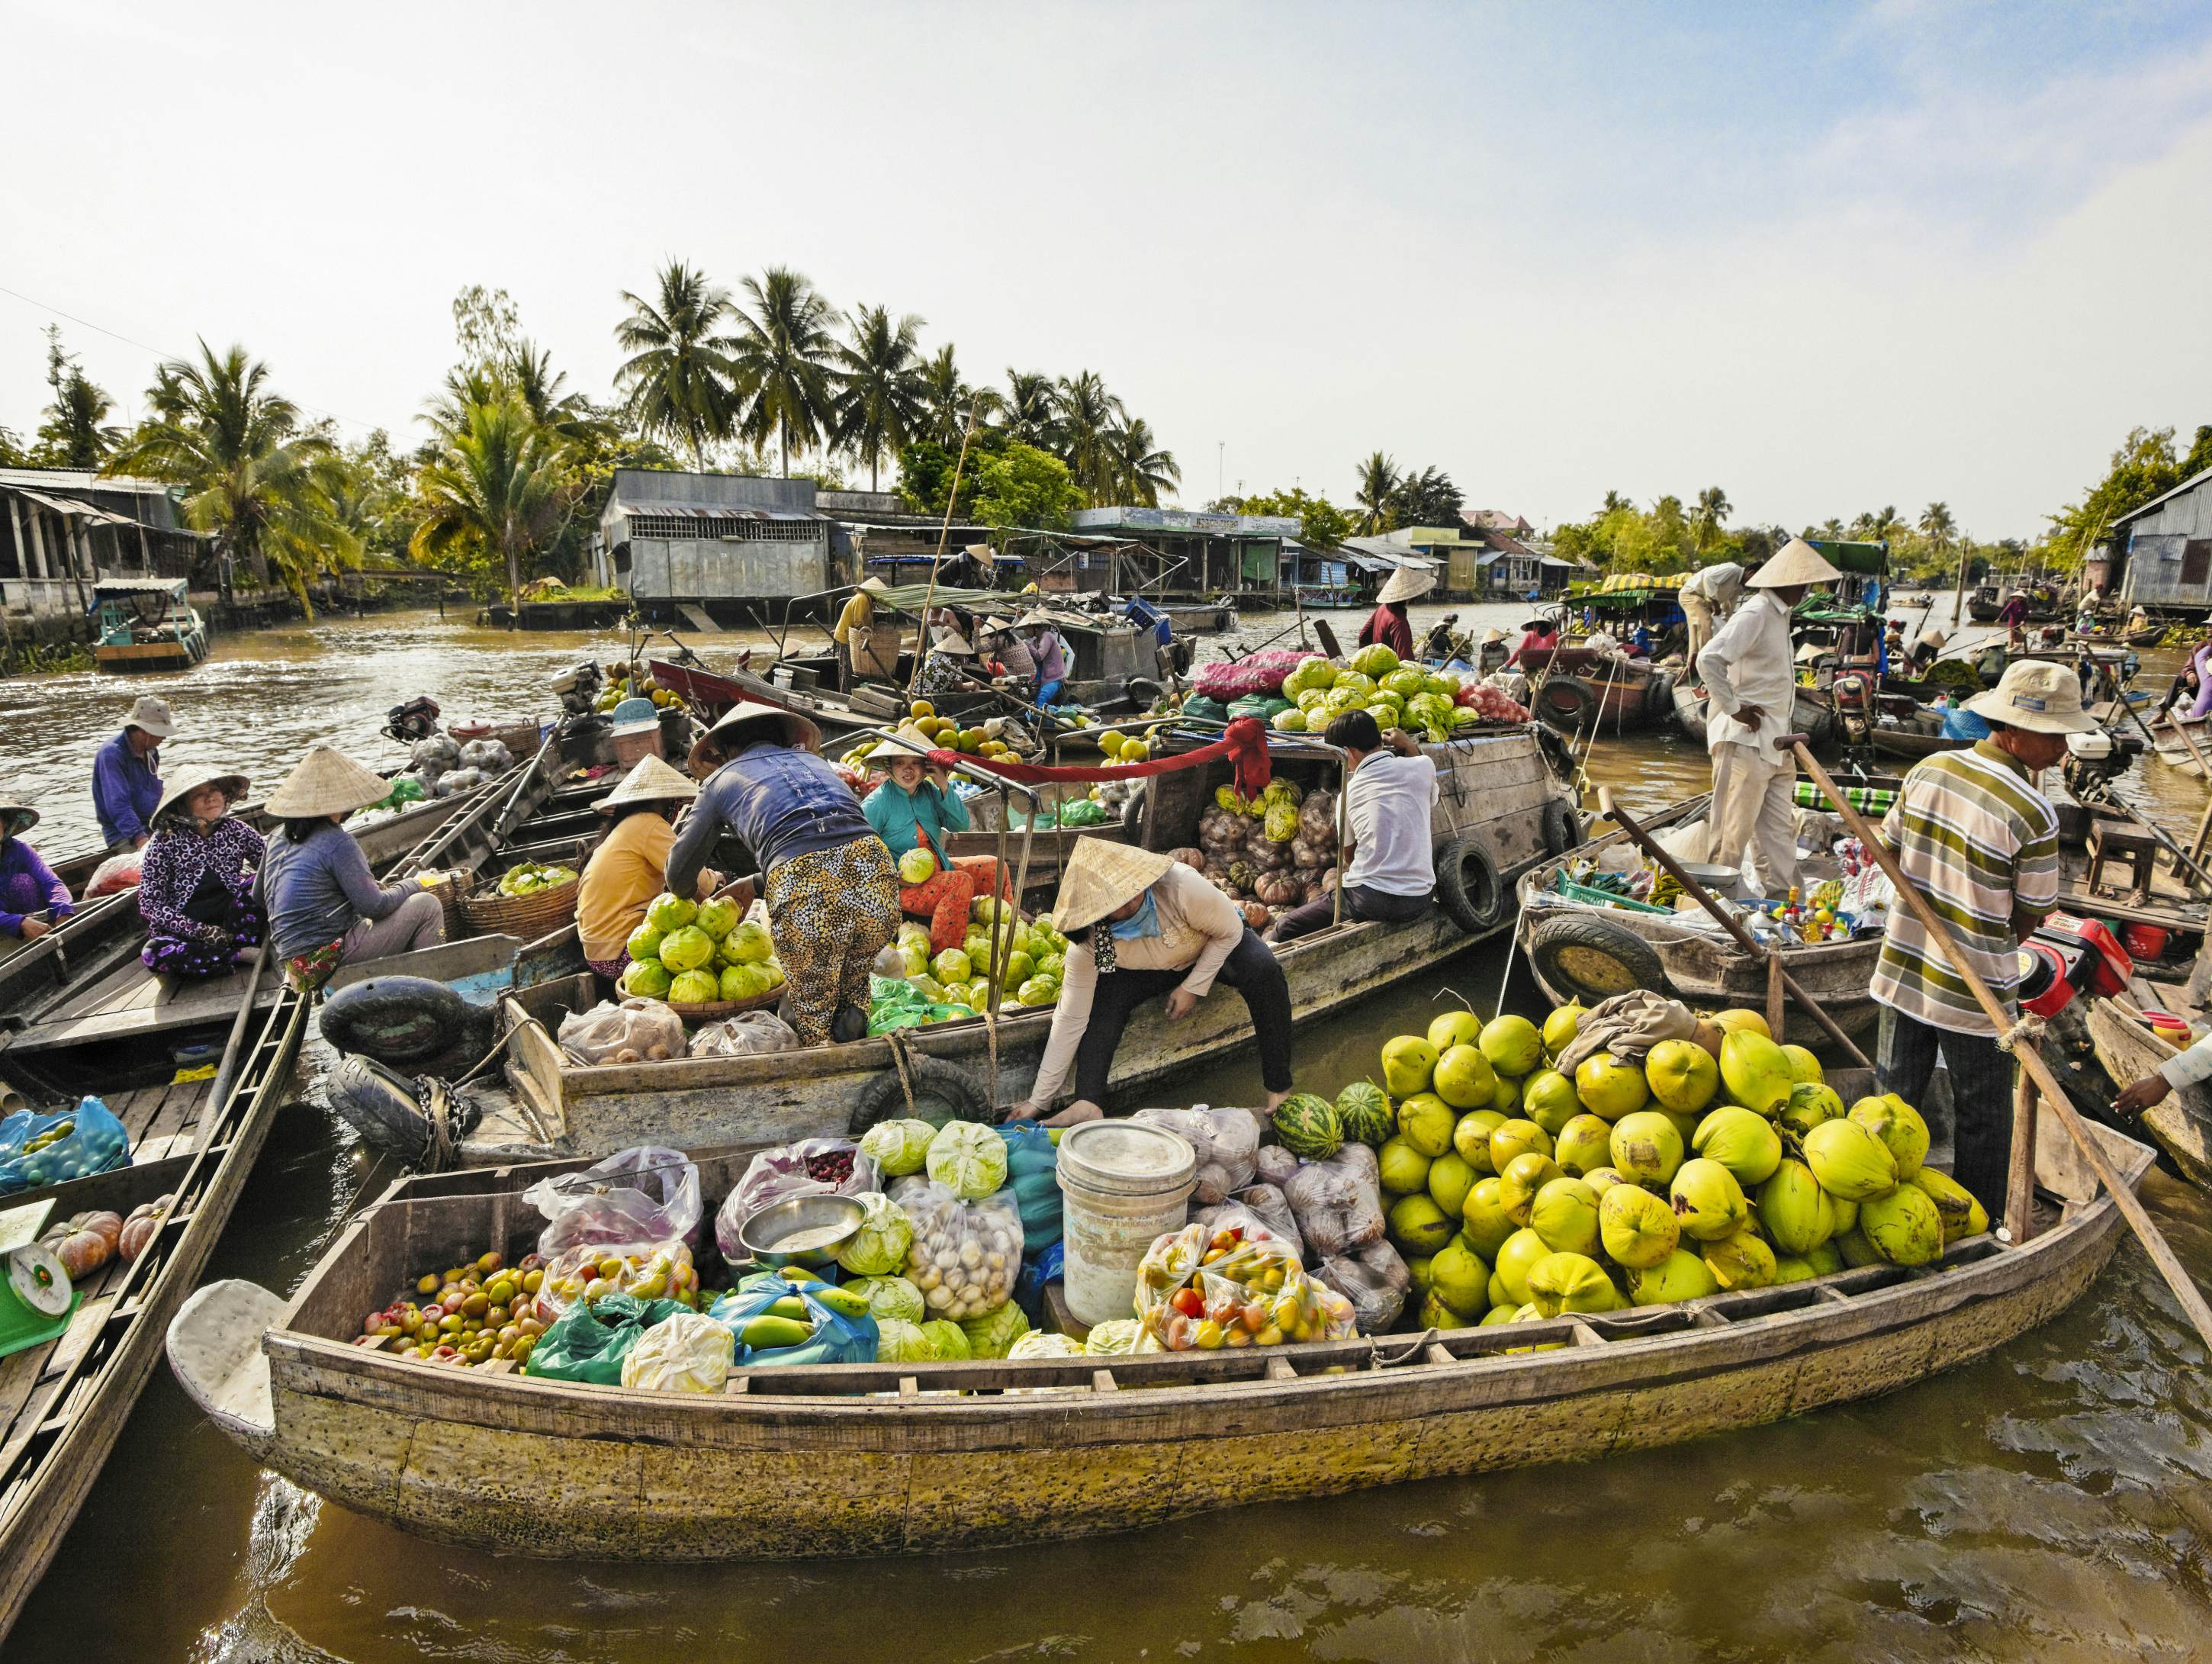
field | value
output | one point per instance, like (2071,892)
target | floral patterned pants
(830,913)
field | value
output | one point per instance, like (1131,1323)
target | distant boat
(145,625)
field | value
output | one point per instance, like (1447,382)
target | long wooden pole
(944,532)
(2131,1209)
(1728,921)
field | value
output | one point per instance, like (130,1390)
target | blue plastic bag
(1050,1266)
(1033,1174)
(839,1337)
(95,1142)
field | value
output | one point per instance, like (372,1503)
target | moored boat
(146,625)
(1578,689)
(1808,715)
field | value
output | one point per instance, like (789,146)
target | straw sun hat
(907,743)
(16,819)
(181,785)
(748,721)
(1406,584)
(327,782)
(2036,695)
(651,782)
(1101,875)
(1798,563)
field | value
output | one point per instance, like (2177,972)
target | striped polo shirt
(1978,839)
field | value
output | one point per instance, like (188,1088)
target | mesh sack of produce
(748,1034)
(589,1342)
(643,1194)
(1255,673)
(813,1167)
(1338,1202)
(686,1353)
(1374,1279)
(1201,1290)
(1261,1204)
(635,1032)
(1225,1141)
(1033,1176)
(966,1254)
(781,1318)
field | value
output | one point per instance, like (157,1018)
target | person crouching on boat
(1709,595)
(1388,625)
(948,667)
(324,907)
(832,888)
(914,808)
(1049,654)
(1012,661)
(1390,795)
(1980,841)
(1141,925)
(32,899)
(195,884)
(126,776)
(629,866)
(1752,687)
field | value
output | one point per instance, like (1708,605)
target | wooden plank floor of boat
(127,1000)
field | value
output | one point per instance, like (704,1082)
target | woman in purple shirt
(195,887)
(28,887)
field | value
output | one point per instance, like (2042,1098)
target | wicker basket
(707,1010)
(524,916)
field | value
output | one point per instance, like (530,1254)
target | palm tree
(1831,529)
(882,404)
(1028,406)
(679,377)
(1378,478)
(1937,526)
(945,398)
(495,489)
(252,473)
(1713,510)
(1143,470)
(71,437)
(1085,418)
(1613,501)
(784,354)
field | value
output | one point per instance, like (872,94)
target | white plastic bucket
(1125,1183)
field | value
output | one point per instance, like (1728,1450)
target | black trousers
(1360,901)
(1250,969)
(1981,1094)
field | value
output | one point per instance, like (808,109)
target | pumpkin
(1310,890)
(82,1253)
(1255,915)
(1277,890)
(137,1231)
(1195,859)
(104,1224)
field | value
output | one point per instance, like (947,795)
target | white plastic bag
(748,1034)
(1225,1141)
(1338,1202)
(1374,1279)
(643,1194)
(635,1032)
(965,1255)
(683,1352)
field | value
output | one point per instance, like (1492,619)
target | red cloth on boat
(1243,742)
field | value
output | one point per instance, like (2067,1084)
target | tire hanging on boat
(394,1111)
(1468,888)
(1563,828)
(1592,959)
(1565,703)
(942,1092)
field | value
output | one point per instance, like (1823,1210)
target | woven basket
(524,916)
(707,1010)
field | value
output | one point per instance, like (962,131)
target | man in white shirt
(1752,686)
(1712,593)
(2188,1068)
(1389,872)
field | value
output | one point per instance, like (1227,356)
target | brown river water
(2051,1501)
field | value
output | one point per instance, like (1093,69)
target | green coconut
(1637,1229)
(1564,1214)
(1709,1203)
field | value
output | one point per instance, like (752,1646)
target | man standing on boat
(1752,684)
(855,625)
(1976,838)
(1388,625)
(1707,595)
(126,776)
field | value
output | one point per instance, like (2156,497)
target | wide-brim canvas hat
(1408,583)
(748,721)
(1100,876)
(16,819)
(327,782)
(651,781)
(1798,563)
(908,742)
(182,785)
(153,715)
(2036,695)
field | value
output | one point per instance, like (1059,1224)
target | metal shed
(2165,547)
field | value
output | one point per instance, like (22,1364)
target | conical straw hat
(874,586)
(907,742)
(234,786)
(1101,875)
(651,782)
(17,818)
(747,721)
(952,643)
(327,782)
(1406,584)
(1798,563)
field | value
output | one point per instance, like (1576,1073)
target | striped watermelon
(1363,1109)
(1307,1126)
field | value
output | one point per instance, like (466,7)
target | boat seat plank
(206,1004)
(179,1119)
(1102,1380)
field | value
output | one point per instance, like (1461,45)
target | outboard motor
(2092,762)
(415,721)
(579,687)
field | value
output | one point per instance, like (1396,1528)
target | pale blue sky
(1827,257)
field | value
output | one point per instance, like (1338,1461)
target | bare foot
(1076,1113)
(1275,1100)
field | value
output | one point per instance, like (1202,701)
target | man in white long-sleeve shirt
(1751,684)
(1710,593)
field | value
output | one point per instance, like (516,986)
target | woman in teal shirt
(914,808)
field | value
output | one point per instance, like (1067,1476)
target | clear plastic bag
(643,1194)
(965,1255)
(682,1353)
(117,873)
(1274,1166)
(813,1167)
(635,1032)
(748,1034)
(51,1149)
(588,1272)
(1338,1202)
(1262,1203)
(1205,1289)
(1377,1281)
(1225,1141)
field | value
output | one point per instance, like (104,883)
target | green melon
(1307,1125)
(1363,1112)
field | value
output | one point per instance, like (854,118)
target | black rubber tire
(942,1092)
(1144,692)
(1565,703)
(1592,959)
(1563,826)
(1468,888)
(1659,697)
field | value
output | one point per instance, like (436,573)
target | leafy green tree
(1144,470)
(1321,525)
(1084,419)
(785,358)
(883,401)
(680,379)
(72,435)
(495,492)
(1710,521)
(1378,479)
(373,491)
(1026,408)
(12,454)
(1426,498)
(2144,466)
(925,470)
(252,473)
(1021,486)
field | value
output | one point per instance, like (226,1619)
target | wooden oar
(2192,1303)
(1705,898)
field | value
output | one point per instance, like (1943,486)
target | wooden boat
(1808,715)
(2149,635)
(868,1459)
(1577,688)
(146,625)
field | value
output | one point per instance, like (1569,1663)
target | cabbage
(1405,681)
(686,1352)
(917,866)
(748,944)
(686,948)
(1106,1340)
(951,1343)
(695,988)
(740,982)
(968,1159)
(899,1340)
(983,909)
(1308,676)
(1376,661)
(1364,686)
(718,916)
(668,912)
(644,943)
(647,980)
(898,1148)
(915,956)
(951,966)
(1042,1343)
(890,1297)
(1341,699)
(878,1248)
(994,1334)
(772,971)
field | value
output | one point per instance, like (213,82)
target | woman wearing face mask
(195,887)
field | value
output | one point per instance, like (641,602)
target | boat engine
(415,721)
(1853,692)
(579,687)
(2093,762)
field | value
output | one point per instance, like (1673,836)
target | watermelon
(1363,1109)
(1306,1125)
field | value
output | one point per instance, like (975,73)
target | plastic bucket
(1125,1184)
(2143,941)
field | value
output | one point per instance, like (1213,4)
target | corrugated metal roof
(137,586)
(713,510)
(2186,484)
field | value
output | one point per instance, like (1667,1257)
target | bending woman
(32,899)
(914,808)
(1140,926)
(196,885)
(325,906)
(629,867)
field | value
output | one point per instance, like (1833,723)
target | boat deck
(124,1000)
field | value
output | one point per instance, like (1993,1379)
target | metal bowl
(762,1230)
(1721,880)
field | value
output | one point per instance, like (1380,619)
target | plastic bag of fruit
(965,1255)
(1374,1279)
(591,1342)
(643,1194)
(636,1031)
(813,1167)
(1264,1204)
(788,1317)
(1204,1289)
(1225,1141)
(1338,1202)
(589,1272)
(51,1150)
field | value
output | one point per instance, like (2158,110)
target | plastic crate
(1562,885)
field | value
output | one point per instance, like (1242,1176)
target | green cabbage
(900,1341)
(1119,1335)
(644,943)
(951,1343)
(693,988)
(748,944)
(666,912)
(1376,661)
(1042,1343)
(968,1159)
(880,1247)
(890,1296)
(1309,675)
(898,1148)
(686,948)
(718,916)
(647,979)
(994,1334)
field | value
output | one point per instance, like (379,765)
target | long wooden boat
(1577,688)
(865,1460)
(1808,715)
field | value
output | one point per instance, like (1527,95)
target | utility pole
(1220,455)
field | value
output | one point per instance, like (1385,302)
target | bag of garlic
(965,1255)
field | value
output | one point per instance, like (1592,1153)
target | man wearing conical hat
(1752,686)
(855,625)
(629,866)
(1388,625)
(126,776)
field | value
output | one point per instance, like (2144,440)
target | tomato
(1187,1301)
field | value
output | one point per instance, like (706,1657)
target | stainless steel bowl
(762,1230)
(1721,880)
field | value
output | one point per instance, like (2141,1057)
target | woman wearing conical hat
(1388,626)
(914,808)
(196,883)
(1142,926)
(629,865)
(32,899)
(325,908)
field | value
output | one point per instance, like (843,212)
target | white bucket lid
(1126,1158)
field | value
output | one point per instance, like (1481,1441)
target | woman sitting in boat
(948,668)
(832,888)
(1388,625)
(1537,635)
(32,899)
(196,885)
(629,867)
(324,907)
(914,808)
(1011,658)
(1140,925)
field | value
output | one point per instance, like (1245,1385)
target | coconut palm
(252,473)
(1085,418)
(785,358)
(680,378)
(1713,510)
(72,435)
(494,491)
(883,402)
(1937,526)
(945,398)
(1378,478)
(1614,501)
(1143,471)
(1027,406)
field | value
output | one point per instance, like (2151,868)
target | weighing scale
(36,1299)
